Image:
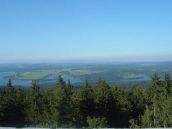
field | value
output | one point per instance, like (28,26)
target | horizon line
(82,61)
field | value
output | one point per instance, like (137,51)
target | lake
(26,83)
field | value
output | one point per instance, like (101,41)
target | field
(31,75)
(131,75)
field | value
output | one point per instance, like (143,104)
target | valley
(124,74)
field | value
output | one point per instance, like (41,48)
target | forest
(90,106)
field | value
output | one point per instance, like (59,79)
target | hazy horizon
(85,61)
(99,30)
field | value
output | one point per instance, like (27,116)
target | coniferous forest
(89,106)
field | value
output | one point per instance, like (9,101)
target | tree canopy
(93,106)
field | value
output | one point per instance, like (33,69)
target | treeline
(90,106)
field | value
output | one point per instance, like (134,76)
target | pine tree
(168,84)
(61,105)
(105,104)
(34,110)
(83,104)
(10,89)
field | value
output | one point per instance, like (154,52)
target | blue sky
(118,30)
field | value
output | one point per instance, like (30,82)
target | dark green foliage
(90,106)
(97,122)
(104,102)
(11,107)
(83,105)
(158,110)
(34,107)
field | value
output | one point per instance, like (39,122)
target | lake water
(52,79)
(27,83)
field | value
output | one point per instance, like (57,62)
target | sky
(108,30)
